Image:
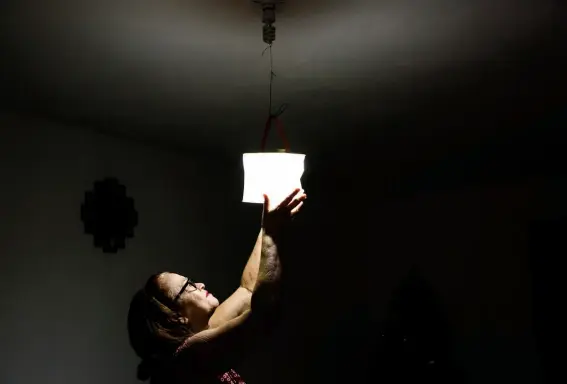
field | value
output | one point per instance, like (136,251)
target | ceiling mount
(269,18)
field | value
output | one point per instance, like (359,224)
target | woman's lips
(207,293)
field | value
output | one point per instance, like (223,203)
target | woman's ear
(185,321)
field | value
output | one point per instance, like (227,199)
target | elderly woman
(182,333)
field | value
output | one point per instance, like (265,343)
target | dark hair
(154,328)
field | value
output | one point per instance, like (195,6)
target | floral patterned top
(231,377)
(199,374)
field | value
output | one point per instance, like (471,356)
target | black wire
(284,106)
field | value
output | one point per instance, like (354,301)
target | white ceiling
(191,71)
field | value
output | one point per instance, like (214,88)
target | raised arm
(241,299)
(250,274)
(274,223)
(222,346)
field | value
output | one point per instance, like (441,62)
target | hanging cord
(269,35)
(271,114)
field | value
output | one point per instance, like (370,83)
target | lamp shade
(275,174)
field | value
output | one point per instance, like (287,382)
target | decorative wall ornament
(109,215)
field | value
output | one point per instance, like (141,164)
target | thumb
(266,203)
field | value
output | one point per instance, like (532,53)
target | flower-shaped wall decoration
(109,215)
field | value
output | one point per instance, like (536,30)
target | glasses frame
(187,283)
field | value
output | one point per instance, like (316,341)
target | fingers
(297,201)
(266,203)
(296,209)
(288,199)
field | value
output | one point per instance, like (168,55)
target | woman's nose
(200,286)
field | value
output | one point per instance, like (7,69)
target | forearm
(269,276)
(270,269)
(250,274)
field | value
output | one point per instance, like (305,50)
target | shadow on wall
(414,343)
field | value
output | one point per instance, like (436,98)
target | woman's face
(192,301)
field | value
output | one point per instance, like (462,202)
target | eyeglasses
(187,283)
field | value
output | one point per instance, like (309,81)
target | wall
(470,244)
(64,303)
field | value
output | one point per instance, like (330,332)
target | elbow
(248,284)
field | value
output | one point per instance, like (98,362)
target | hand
(274,219)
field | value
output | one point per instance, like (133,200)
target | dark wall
(455,224)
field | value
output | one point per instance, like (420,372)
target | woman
(182,333)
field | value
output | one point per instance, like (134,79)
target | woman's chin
(213,301)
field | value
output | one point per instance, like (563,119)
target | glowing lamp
(275,174)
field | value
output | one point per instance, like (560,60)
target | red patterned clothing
(187,368)
(231,377)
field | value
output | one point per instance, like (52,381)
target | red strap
(280,131)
